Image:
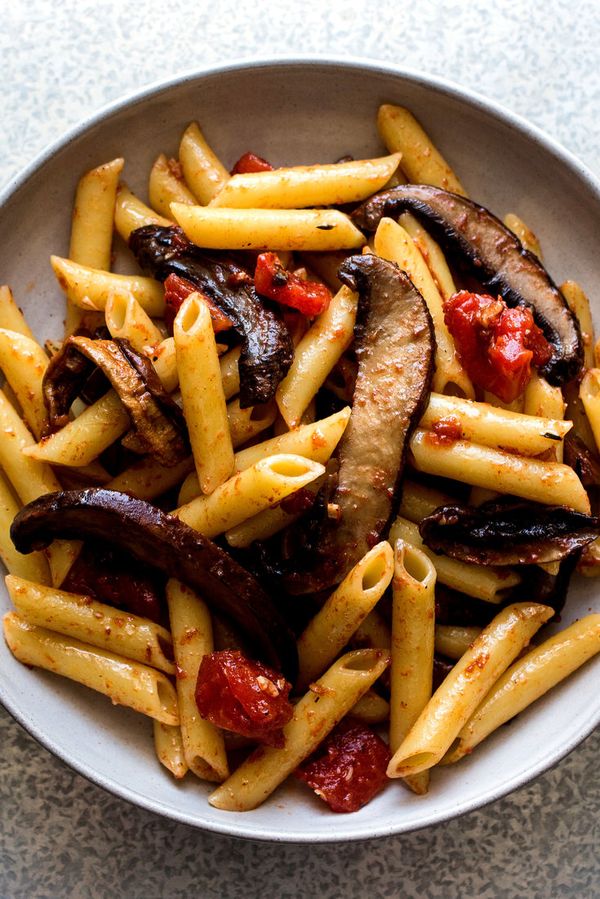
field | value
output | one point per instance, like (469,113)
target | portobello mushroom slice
(496,257)
(163,542)
(156,418)
(508,533)
(267,349)
(395,347)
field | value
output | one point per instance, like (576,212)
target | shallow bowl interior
(299,112)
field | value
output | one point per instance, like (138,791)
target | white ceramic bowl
(299,112)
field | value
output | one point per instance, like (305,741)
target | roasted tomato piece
(250,162)
(349,767)
(497,345)
(243,696)
(274,282)
(177,290)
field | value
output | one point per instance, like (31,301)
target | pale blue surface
(59,835)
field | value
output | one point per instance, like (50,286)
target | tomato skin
(274,282)
(250,162)
(496,344)
(244,696)
(177,290)
(349,768)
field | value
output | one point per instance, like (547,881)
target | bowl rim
(452,90)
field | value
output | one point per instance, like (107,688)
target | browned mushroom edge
(157,420)
(163,542)
(395,347)
(508,533)
(584,461)
(497,259)
(267,349)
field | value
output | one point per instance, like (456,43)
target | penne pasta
(308,185)
(11,317)
(431,253)
(90,288)
(393,243)
(319,350)
(525,234)
(128,320)
(245,424)
(147,479)
(131,213)
(515,432)
(203,745)
(23,363)
(250,491)
(167,185)
(267,229)
(269,522)
(125,683)
(204,173)
(315,715)
(579,305)
(421,161)
(452,640)
(93,622)
(544,482)
(460,693)
(333,625)
(168,746)
(371,709)
(411,670)
(325,266)
(589,393)
(202,393)
(480,581)
(33,566)
(526,680)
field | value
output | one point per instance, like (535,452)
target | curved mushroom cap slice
(395,347)
(163,542)
(502,533)
(496,257)
(267,349)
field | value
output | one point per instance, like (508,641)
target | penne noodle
(202,393)
(589,393)
(128,320)
(147,479)
(230,374)
(125,683)
(411,670)
(249,492)
(33,566)
(166,186)
(516,405)
(315,441)
(371,709)
(332,627)
(23,363)
(481,423)
(419,501)
(203,745)
(545,482)
(315,715)
(526,680)
(452,640)
(269,522)
(245,424)
(319,350)
(525,234)
(460,693)
(308,185)
(326,266)
(373,633)
(90,288)
(421,162)
(579,305)
(204,173)
(431,253)
(168,746)
(267,229)
(11,317)
(131,213)
(480,581)
(93,622)
(393,243)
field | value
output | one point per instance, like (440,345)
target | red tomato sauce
(349,768)
(249,163)
(446,430)
(497,345)
(246,697)
(274,282)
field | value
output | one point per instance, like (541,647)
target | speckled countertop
(61,836)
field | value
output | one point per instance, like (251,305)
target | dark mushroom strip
(496,257)
(163,542)
(503,533)
(64,379)
(582,460)
(395,348)
(267,347)
(156,418)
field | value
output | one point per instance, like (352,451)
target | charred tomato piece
(274,282)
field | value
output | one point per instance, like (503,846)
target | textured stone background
(61,836)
